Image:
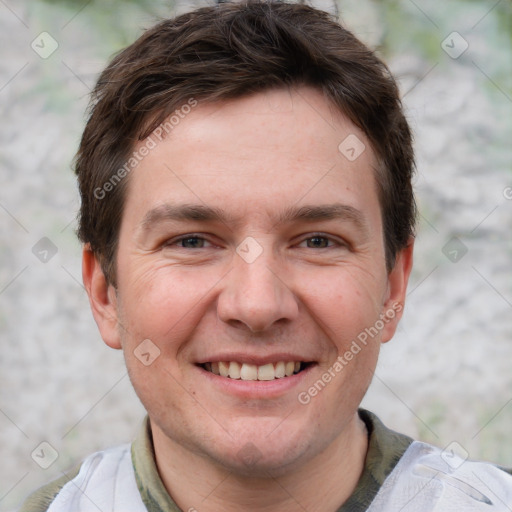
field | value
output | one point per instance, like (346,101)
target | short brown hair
(224,52)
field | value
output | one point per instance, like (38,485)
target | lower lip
(250,389)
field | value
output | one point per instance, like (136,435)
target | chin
(262,458)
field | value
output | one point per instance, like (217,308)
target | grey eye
(318,242)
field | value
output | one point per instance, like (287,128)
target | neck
(195,482)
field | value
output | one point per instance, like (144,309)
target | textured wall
(446,375)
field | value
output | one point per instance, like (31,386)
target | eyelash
(322,236)
(200,237)
(184,237)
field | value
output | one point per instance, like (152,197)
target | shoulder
(105,477)
(427,477)
(41,499)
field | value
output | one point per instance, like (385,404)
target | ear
(102,298)
(394,303)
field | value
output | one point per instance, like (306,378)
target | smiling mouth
(245,371)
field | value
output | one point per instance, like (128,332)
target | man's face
(249,240)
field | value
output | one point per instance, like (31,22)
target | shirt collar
(385,448)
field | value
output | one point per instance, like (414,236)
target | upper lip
(256,359)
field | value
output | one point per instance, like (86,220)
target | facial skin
(317,284)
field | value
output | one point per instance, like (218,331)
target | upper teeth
(245,371)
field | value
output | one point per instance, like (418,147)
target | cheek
(159,389)
(164,303)
(345,302)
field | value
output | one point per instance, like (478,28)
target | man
(247,218)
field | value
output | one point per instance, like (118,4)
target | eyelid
(177,239)
(336,240)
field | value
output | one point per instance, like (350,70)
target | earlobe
(398,279)
(102,298)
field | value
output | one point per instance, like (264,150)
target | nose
(255,295)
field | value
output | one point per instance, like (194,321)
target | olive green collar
(385,448)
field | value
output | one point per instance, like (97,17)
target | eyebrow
(204,213)
(183,212)
(313,213)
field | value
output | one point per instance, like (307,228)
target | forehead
(257,155)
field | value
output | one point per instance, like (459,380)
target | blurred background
(446,376)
